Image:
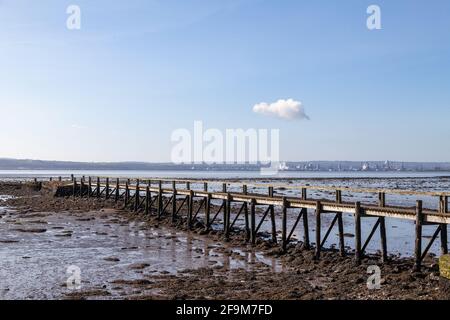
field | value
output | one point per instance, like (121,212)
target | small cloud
(77,126)
(284,109)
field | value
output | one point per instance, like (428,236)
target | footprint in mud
(348,235)
(112,259)
(85,219)
(8,241)
(30,230)
(129,248)
(138,266)
(67,233)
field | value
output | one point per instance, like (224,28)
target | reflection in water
(105,246)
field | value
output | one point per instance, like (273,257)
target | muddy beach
(122,255)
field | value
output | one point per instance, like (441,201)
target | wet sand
(126,256)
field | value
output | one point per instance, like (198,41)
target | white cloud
(78,127)
(284,109)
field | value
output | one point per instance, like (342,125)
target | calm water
(214,174)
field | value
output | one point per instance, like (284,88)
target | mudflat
(123,255)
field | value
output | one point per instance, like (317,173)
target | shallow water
(4,174)
(35,265)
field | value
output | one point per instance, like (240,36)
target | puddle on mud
(37,249)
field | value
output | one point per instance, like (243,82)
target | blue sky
(137,70)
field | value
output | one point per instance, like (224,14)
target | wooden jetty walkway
(166,198)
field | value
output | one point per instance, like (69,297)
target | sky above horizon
(136,71)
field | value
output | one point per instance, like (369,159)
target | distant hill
(20,164)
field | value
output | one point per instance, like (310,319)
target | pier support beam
(160,199)
(190,208)
(272,218)
(107,189)
(253,221)
(147,200)
(127,193)
(341,234)
(418,242)
(227,217)
(208,212)
(225,209)
(89,186)
(117,195)
(318,229)
(443,208)
(284,225)
(98,188)
(74,187)
(137,197)
(384,254)
(174,201)
(358,252)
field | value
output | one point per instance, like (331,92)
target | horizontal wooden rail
(299,187)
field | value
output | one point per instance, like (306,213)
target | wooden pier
(166,198)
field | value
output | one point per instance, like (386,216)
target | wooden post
(98,187)
(341,234)
(444,243)
(246,218)
(304,194)
(208,211)
(147,200)
(137,196)
(318,229)
(272,218)
(117,191)
(306,243)
(358,232)
(339,197)
(253,221)
(384,255)
(74,186)
(225,209)
(284,225)
(418,242)
(59,178)
(207,205)
(107,189)
(71,177)
(127,193)
(160,202)
(445,204)
(51,179)
(381,199)
(190,208)
(89,186)
(228,217)
(174,201)
(81,187)
(443,209)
